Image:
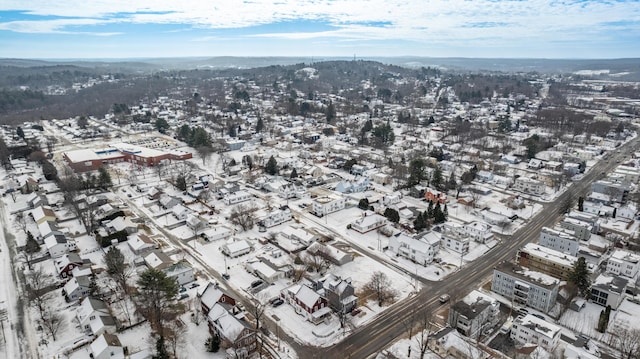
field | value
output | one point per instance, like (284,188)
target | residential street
(388,326)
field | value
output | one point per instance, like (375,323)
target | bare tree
(38,282)
(423,320)
(21,221)
(243,216)
(317,258)
(627,341)
(175,337)
(52,321)
(204,152)
(118,268)
(380,286)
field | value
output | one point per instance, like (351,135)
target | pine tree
(161,350)
(580,276)
(294,173)
(392,215)
(259,125)
(272,166)
(436,178)
(32,245)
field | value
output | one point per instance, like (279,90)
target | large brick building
(91,159)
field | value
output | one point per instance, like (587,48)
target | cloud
(422,21)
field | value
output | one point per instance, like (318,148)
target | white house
(94,317)
(180,212)
(531,329)
(181,272)
(237,197)
(525,287)
(528,185)
(416,250)
(276,217)
(480,232)
(368,222)
(473,313)
(609,290)
(216,233)
(76,288)
(236,249)
(455,239)
(300,234)
(140,244)
(321,206)
(59,245)
(623,263)
(560,240)
(107,346)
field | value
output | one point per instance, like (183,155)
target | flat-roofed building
(546,260)
(524,286)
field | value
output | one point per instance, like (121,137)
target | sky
(103,29)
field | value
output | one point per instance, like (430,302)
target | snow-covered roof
(307,296)
(229,326)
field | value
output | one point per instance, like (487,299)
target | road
(384,329)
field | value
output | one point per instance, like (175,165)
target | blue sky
(444,28)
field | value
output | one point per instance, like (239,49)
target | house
(216,233)
(180,212)
(307,302)
(107,346)
(535,164)
(368,222)
(76,288)
(325,205)
(478,231)
(628,211)
(66,264)
(237,197)
(433,195)
(236,249)
(279,216)
(181,272)
(141,244)
(235,333)
(36,199)
(608,290)
(448,343)
(213,294)
(119,224)
(158,260)
(623,263)
(531,329)
(382,178)
(43,214)
(263,270)
(484,176)
(419,251)
(559,239)
(581,229)
(340,294)
(58,245)
(455,239)
(48,229)
(331,253)
(529,185)
(546,260)
(154,193)
(168,202)
(359,185)
(300,234)
(616,191)
(475,312)
(525,287)
(94,317)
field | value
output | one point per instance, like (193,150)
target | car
(183,289)
(356,312)
(183,296)
(277,302)
(256,283)
(444,298)
(226,276)
(195,285)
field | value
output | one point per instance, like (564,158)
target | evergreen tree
(580,203)
(363,204)
(580,277)
(271,166)
(436,178)
(259,125)
(20,132)
(161,350)
(181,183)
(32,245)
(420,222)
(156,293)
(213,344)
(161,125)
(438,215)
(104,177)
(452,184)
(330,112)
(294,173)
(429,211)
(416,172)
(392,215)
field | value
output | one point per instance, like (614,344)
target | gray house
(340,294)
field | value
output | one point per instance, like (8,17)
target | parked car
(256,283)
(183,296)
(226,276)
(183,289)
(356,312)
(277,302)
(195,285)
